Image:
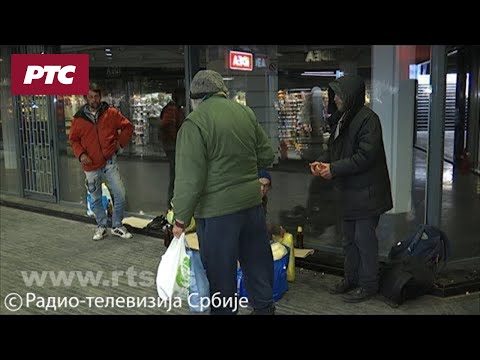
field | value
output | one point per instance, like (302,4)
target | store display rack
(293,134)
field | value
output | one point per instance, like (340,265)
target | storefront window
(139,81)
(304,99)
(251,76)
(9,172)
(287,88)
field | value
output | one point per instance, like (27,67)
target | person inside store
(311,116)
(357,165)
(220,148)
(265,180)
(99,132)
(171,119)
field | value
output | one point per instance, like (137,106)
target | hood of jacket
(81,112)
(351,89)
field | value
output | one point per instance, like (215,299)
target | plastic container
(280,284)
(287,240)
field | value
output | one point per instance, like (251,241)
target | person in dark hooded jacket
(358,167)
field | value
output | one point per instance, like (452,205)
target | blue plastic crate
(280,284)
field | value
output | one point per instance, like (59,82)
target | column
(436,131)
(393,99)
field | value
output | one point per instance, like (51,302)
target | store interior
(137,80)
(140,80)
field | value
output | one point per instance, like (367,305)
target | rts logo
(50,74)
(37,72)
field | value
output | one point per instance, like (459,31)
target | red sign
(50,74)
(239,60)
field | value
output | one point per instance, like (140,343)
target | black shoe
(267,311)
(359,295)
(341,287)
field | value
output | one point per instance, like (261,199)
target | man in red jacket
(171,118)
(99,132)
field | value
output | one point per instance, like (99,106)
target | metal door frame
(473,136)
(53,198)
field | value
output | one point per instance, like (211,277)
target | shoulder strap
(416,239)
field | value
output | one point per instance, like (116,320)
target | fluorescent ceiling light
(227,78)
(318,73)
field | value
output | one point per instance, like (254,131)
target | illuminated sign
(260,61)
(239,60)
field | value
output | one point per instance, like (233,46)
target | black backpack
(413,265)
(428,242)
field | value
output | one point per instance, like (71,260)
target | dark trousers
(360,245)
(171,160)
(241,236)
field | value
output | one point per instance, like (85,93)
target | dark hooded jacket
(357,156)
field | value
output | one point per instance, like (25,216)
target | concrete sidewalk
(34,242)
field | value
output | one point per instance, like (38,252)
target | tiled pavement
(34,242)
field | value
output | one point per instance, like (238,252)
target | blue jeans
(93,183)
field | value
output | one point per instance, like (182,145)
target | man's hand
(325,171)
(178,230)
(85,159)
(282,231)
(314,168)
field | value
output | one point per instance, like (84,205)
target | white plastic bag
(173,275)
(107,202)
(199,285)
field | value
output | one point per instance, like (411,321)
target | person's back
(229,131)
(171,119)
(220,148)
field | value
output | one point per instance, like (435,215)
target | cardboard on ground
(136,222)
(192,241)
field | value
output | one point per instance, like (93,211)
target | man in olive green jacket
(220,148)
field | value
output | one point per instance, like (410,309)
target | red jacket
(171,119)
(98,140)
